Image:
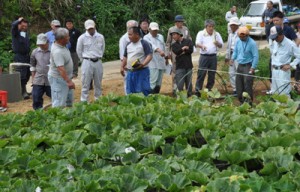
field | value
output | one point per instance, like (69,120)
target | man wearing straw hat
(246,54)
(232,39)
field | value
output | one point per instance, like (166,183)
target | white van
(252,17)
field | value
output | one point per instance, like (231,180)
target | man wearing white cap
(157,65)
(39,61)
(232,39)
(90,49)
(55,24)
(282,52)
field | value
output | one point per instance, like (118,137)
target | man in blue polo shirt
(138,53)
(245,53)
(55,24)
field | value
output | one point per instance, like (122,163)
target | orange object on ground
(3,98)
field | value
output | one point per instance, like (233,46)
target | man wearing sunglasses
(55,24)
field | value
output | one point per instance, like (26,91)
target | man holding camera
(137,55)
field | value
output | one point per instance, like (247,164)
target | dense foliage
(155,143)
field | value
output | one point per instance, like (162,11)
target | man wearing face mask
(21,48)
(90,49)
(245,53)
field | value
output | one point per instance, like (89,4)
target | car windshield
(255,9)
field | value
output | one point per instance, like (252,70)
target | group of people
(54,63)
(144,56)
(284,45)
(152,55)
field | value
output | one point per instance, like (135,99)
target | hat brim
(38,42)
(176,32)
(274,36)
(179,20)
(90,27)
(234,23)
(55,23)
(154,28)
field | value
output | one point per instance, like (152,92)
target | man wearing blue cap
(179,24)
(282,51)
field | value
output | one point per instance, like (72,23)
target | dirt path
(112,83)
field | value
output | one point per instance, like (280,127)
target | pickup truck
(252,17)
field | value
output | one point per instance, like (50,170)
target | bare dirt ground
(113,83)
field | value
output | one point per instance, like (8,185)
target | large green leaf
(151,141)
(7,155)
(223,184)
(131,183)
(173,182)
(131,157)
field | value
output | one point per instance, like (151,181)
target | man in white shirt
(124,40)
(157,65)
(230,14)
(284,54)
(90,49)
(232,39)
(209,41)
